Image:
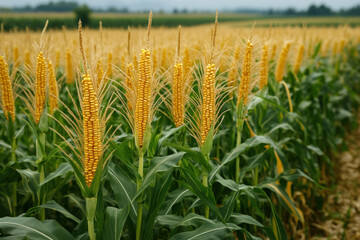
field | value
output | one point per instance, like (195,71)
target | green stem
(140,207)
(14,194)
(42,177)
(90,215)
(54,133)
(13,149)
(205,183)
(40,151)
(238,142)
(239,128)
(14,199)
(256,176)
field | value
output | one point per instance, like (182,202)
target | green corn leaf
(114,222)
(158,164)
(61,171)
(208,231)
(204,193)
(56,207)
(123,187)
(34,229)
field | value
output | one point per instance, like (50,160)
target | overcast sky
(195,4)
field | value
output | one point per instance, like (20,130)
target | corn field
(208,132)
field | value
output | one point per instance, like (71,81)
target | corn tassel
(109,70)
(280,67)
(99,72)
(27,60)
(273,51)
(7,99)
(299,58)
(142,108)
(245,75)
(57,59)
(91,124)
(53,89)
(234,68)
(208,104)
(69,68)
(40,87)
(16,57)
(178,95)
(155,59)
(264,66)
(129,83)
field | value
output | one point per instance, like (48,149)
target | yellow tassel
(234,68)
(129,83)
(53,89)
(245,75)
(280,67)
(155,59)
(57,59)
(142,108)
(40,87)
(163,58)
(178,95)
(109,70)
(208,103)
(264,67)
(27,60)
(299,58)
(16,57)
(69,68)
(7,99)
(273,51)
(91,124)
(99,72)
(186,62)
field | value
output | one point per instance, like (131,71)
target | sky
(168,5)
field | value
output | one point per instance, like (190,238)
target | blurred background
(20,14)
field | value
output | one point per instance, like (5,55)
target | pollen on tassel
(7,99)
(245,75)
(178,102)
(142,108)
(91,125)
(40,87)
(53,89)
(69,68)
(280,67)
(264,66)
(299,58)
(208,104)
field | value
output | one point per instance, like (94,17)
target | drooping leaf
(34,229)
(61,171)
(286,199)
(208,231)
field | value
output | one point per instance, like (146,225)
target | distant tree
(61,6)
(322,10)
(354,11)
(175,11)
(5,9)
(83,12)
(290,12)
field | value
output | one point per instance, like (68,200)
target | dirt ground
(342,208)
